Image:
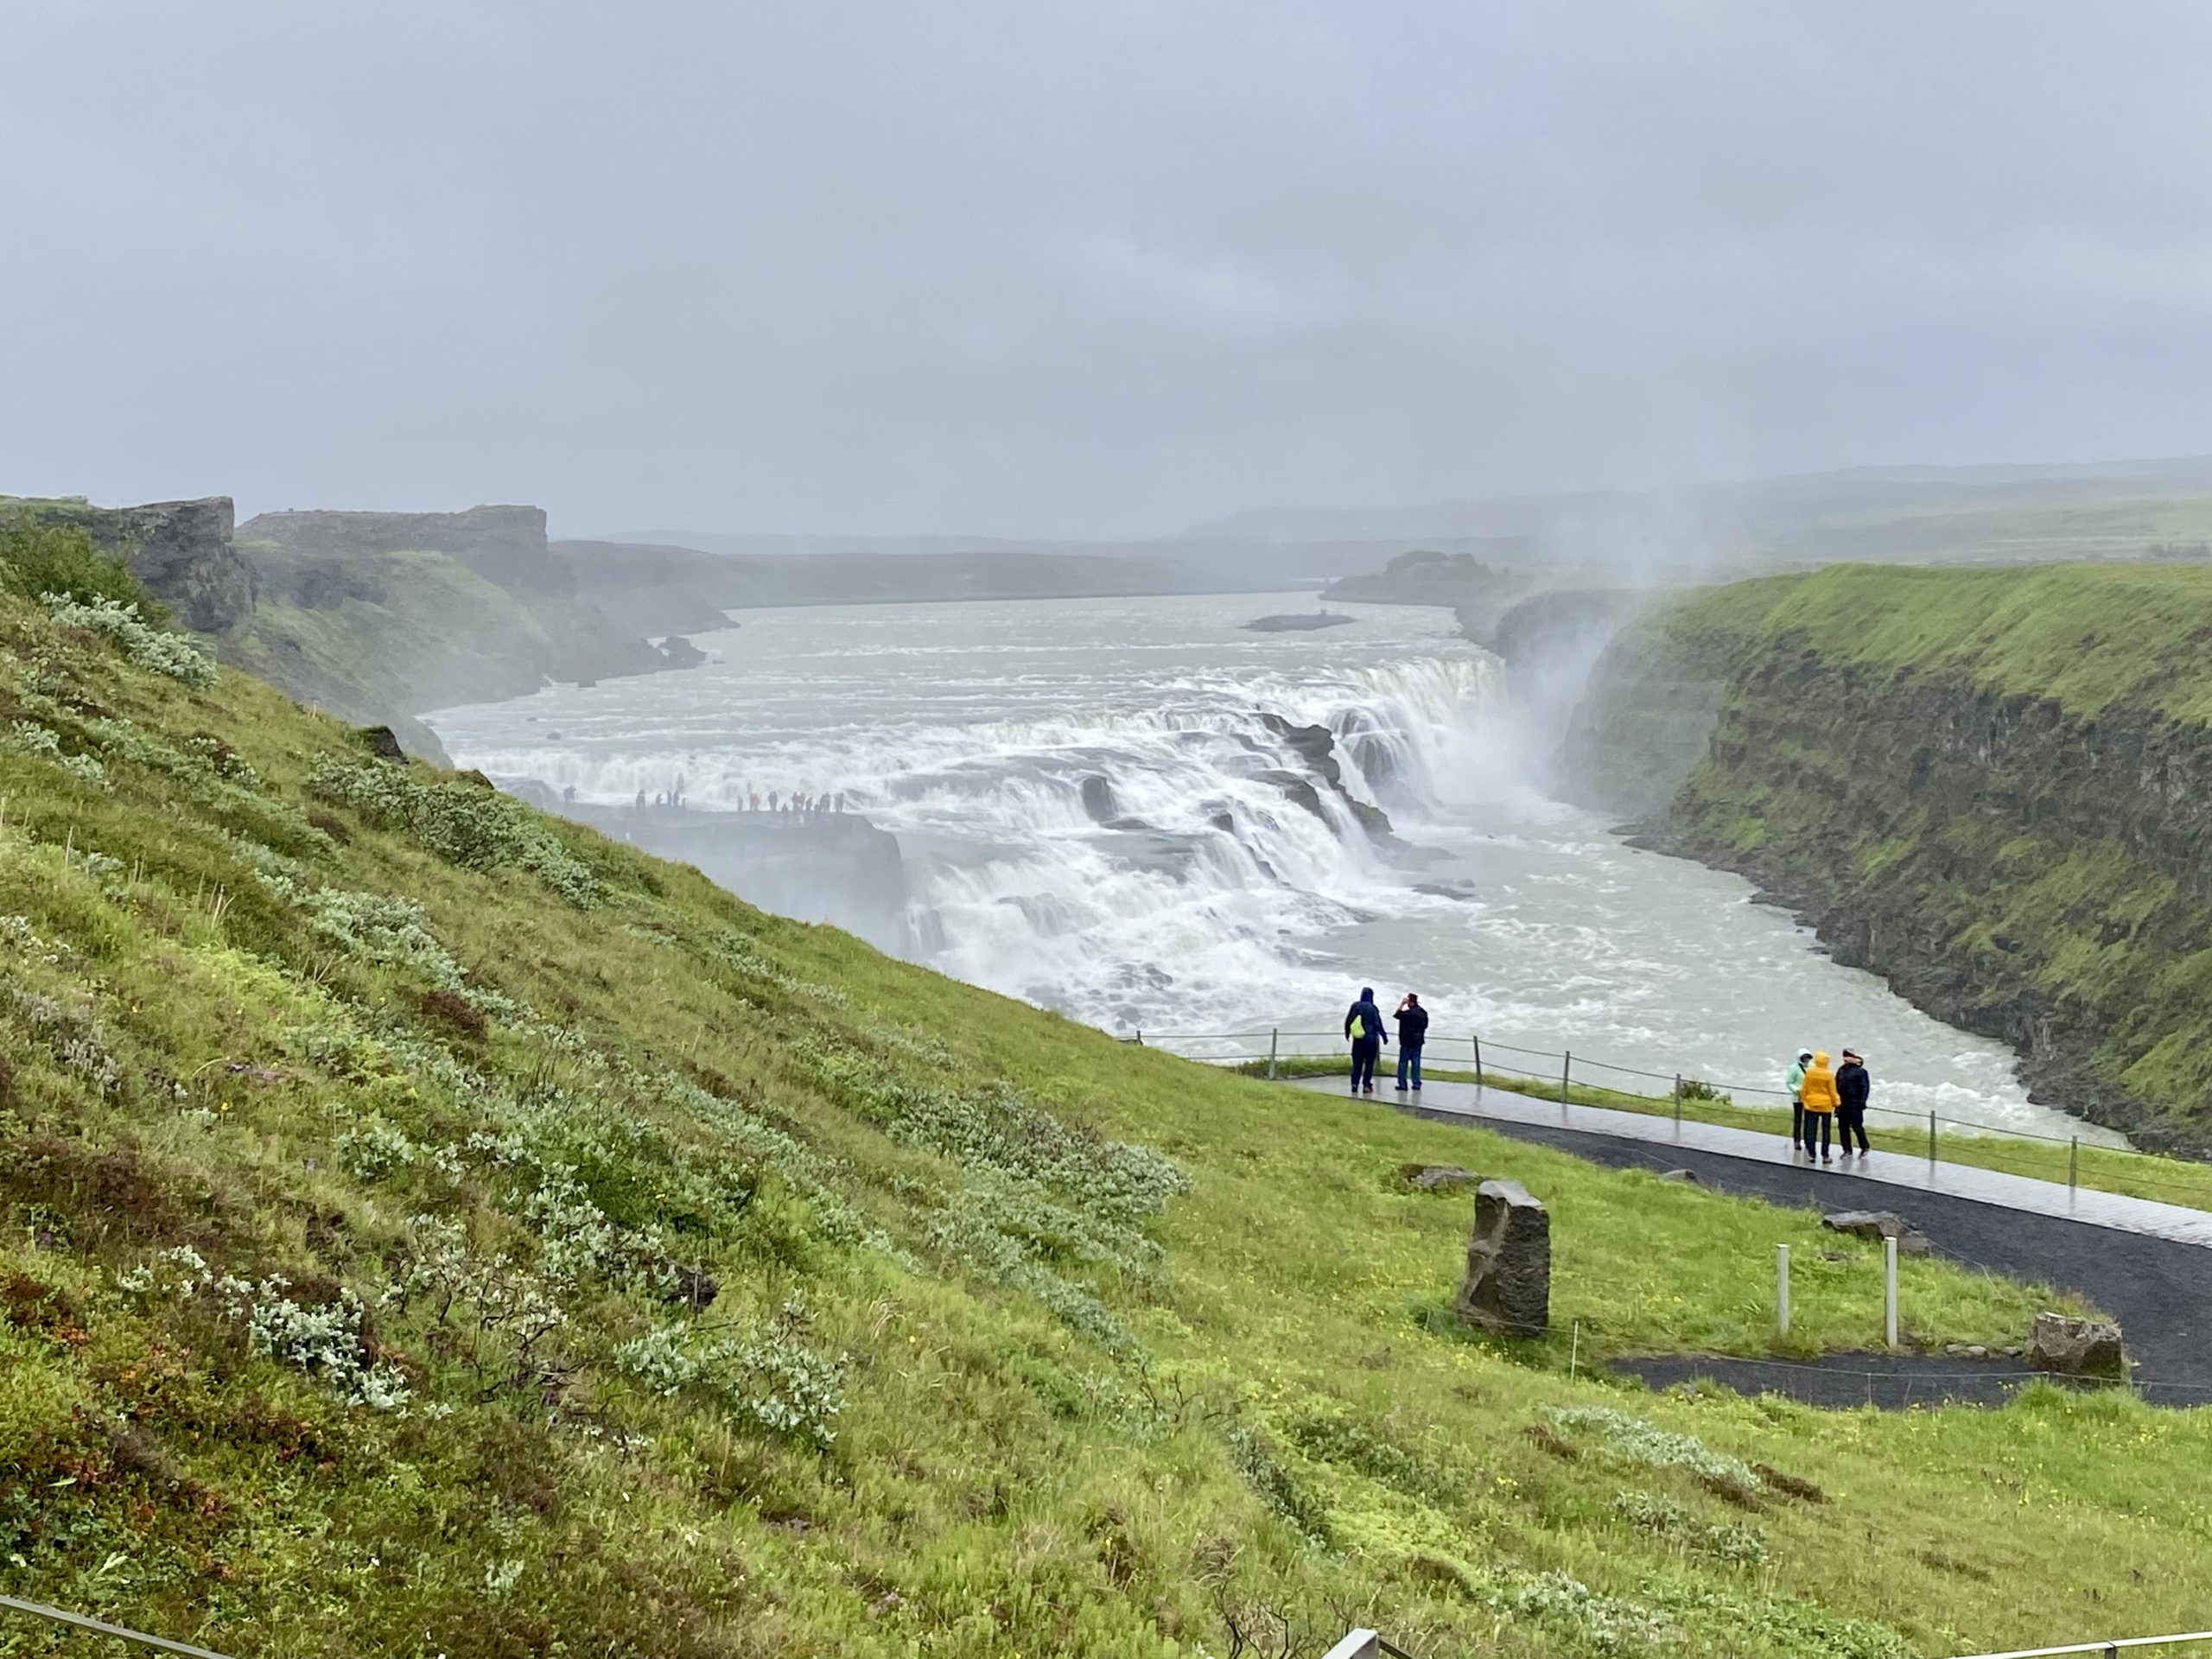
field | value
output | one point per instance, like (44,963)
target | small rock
(694,1286)
(681,652)
(1955,1347)
(1099,800)
(1878,1223)
(383,743)
(1975,1350)
(1509,1283)
(2074,1347)
(1430,1177)
(1682,1177)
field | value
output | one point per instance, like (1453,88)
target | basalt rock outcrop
(505,545)
(378,616)
(182,550)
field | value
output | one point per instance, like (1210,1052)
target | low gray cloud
(1084,268)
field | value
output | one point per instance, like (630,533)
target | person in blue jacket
(1364,1026)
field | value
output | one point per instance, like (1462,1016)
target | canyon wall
(1991,787)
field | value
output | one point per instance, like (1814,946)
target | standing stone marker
(1509,1284)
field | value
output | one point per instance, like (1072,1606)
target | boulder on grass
(2072,1347)
(1507,1288)
(383,743)
(1429,1177)
(1878,1223)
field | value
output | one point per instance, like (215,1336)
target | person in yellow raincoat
(1819,1093)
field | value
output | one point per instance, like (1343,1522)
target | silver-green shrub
(179,656)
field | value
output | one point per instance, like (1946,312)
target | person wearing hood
(1794,1084)
(1364,1026)
(1820,1102)
(1852,1085)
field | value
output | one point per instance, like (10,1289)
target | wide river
(1208,901)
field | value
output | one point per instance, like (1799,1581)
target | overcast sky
(1083,266)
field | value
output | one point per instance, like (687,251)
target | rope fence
(1558,1075)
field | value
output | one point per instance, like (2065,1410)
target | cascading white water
(1211,843)
(1212,881)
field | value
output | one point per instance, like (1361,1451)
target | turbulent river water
(1107,806)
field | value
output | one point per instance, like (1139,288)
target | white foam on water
(1212,900)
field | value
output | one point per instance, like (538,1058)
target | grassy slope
(1072,1421)
(2088,636)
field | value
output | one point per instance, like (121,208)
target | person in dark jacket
(1363,1025)
(1413,1032)
(1852,1085)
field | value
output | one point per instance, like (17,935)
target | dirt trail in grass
(2160,1291)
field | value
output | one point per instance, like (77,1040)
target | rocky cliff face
(505,545)
(1647,711)
(379,616)
(182,551)
(2026,864)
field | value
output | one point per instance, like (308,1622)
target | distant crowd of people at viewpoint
(753,800)
(1820,1095)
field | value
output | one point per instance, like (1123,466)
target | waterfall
(1154,861)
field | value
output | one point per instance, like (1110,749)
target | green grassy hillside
(432,1229)
(2087,637)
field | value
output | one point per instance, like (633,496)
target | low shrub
(177,655)
(466,824)
(1634,1440)
(36,559)
(769,1373)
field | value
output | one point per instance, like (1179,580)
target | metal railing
(1572,1069)
(100,1627)
(1365,1645)
(2111,1646)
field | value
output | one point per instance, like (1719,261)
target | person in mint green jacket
(1796,1087)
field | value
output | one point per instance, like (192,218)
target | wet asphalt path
(2159,1290)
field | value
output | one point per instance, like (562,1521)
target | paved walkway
(1847,1181)
(2144,1263)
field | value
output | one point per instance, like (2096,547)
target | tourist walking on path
(1820,1101)
(1852,1085)
(1795,1085)
(1363,1025)
(1413,1032)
